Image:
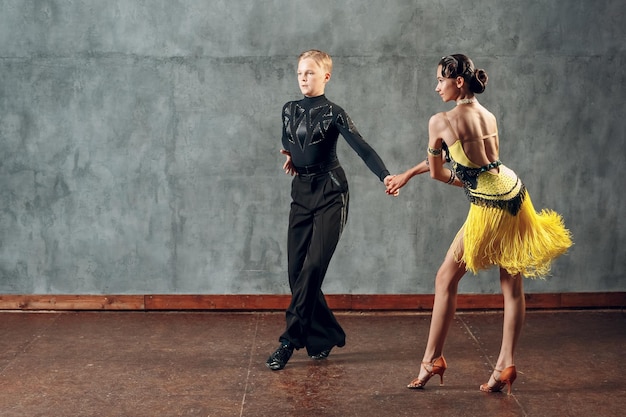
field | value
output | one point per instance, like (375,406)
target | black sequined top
(311,128)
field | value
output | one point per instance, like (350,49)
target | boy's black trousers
(319,211)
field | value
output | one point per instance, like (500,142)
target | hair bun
(479,81)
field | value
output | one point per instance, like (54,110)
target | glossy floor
(135,364)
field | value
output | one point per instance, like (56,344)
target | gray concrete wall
(140,138)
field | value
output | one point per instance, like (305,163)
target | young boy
(319,208)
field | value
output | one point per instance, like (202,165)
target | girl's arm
(436,161)
(400,180)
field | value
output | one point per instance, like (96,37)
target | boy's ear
(327,77)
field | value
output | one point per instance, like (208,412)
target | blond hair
(321,58)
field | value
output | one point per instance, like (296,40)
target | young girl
(502,227)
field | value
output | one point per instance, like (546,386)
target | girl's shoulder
(438,120)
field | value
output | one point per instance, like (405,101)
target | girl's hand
(389,180)
(395,183)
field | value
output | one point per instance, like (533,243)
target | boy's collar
(315,97)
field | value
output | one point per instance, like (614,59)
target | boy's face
(312,78)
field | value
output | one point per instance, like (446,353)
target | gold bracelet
(434,151)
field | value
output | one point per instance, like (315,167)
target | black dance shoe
(322,355)
(279,358)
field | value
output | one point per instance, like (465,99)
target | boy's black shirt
(311,128)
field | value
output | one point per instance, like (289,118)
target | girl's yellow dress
(502,227)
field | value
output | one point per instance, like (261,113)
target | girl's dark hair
(459,65)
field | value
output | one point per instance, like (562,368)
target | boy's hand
(288,165)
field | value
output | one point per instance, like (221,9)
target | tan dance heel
(436,367)
(507,377)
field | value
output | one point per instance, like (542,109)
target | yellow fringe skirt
(525,243)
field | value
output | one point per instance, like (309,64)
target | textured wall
(140,138)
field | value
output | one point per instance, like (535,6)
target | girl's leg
(514,314)
(446,288)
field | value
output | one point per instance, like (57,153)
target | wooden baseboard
(268,302)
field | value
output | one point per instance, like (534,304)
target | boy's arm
(361,147)
(288,166)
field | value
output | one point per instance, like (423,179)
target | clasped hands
(393,183)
